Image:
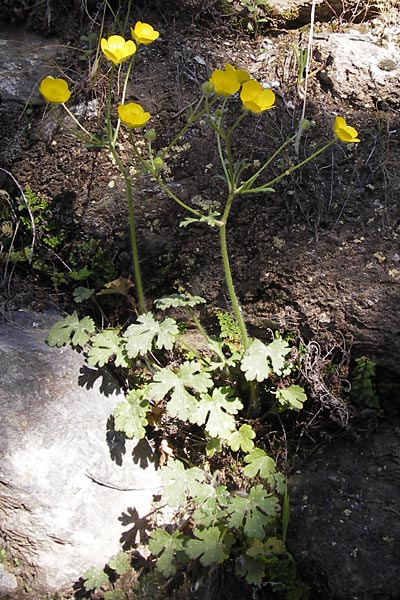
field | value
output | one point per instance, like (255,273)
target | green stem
(132,229)
(291,169)
(128,72)
(246,185)
(148,167)
(228,275)
(109,98)
(195,116)
(75,120)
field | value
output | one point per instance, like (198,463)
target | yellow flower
(133,115)
(143,33)
(54,90)
(344,132)
(241,75)
(255,98)
(117,49)
(228,81)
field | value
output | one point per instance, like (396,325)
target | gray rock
(357,70)
(8,581)
(25,58)
(55,519)
(299,11)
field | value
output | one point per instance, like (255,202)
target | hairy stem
(132,230)
(228,276)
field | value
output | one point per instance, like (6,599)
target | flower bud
(150,135)
(305,124)
(207,88)
(158,163)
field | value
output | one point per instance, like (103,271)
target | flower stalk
(132,230)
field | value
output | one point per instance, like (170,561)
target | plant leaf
(215,412)
(253,512)
(254,362)
(212,545)
(211,504)
(178,301)
(291,397)
(180,483)
(94,579)
(252,569)
(277,351)
(166,546)
(182,403)
(141,335)
(80,294)
(258,462)
(259,358)
(243,439)
(114,595)
(71,330)
(120,563)
(106,345)
(131,414)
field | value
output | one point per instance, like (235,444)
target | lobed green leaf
(212,545)
(215,412)
(106,345)
(71,330)
(94,579)
(131,414)
(166,545)
(258,462)
(291,397)
(140,336)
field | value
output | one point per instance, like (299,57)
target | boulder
(298,12)
(25,58)
(65,480)
(344,530)
(358,71)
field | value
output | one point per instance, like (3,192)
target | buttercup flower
(255,98)
(241,75)
(117,49)
(228,81)
(133,115)
(54,90)
(344,132)
(143,33)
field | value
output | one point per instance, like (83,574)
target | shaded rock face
(345,526)
(298,12)
(25,58)
(53,516)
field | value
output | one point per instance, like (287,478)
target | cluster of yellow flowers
(253,96)
(117,50)
(223,82)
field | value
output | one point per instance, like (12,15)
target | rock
(344,530)
(298,12)
(25,58)
(8,581)
(55,519)
(357,70)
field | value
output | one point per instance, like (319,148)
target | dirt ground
(319,258)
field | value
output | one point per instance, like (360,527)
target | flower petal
(133,115)
(255,98)
(117,49)
(54,90)
(343,132)
(143,33)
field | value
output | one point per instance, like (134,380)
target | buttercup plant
(211,389)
